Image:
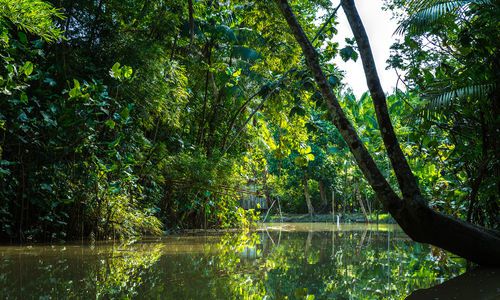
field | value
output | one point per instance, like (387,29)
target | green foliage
(31,16)
(130,118)
(474,91)
(121,72)
(425,13)
(348,52)
(67,154)
(456,119)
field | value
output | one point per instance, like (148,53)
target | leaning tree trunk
(411,212)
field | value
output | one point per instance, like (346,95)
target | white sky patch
(380,30)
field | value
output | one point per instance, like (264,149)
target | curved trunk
(413,215)
(407,182)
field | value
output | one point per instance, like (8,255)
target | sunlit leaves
(27,69)
(76,90)
(35,16)
(121,72)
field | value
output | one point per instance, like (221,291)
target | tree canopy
(142,117)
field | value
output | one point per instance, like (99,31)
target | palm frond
(445,99)
(424,13)
(439,103)
(418,5)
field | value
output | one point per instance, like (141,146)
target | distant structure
(251,201)
(253,198)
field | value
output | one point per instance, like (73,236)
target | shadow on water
(481,283)
(278,261)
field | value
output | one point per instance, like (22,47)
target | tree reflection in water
(281,262)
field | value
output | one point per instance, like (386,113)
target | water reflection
(280,261)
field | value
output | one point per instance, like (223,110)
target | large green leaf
(245,53)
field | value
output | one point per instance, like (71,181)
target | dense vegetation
(121,118)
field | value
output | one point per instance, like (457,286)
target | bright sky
(380,29)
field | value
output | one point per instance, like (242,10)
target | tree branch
(406,180)
(420,222)
(366,163)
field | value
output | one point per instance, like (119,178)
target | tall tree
(410,211)
(459,96)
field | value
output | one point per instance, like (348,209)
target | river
(277,261)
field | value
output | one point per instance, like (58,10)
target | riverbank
(325,218)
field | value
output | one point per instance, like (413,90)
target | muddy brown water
(276,261)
